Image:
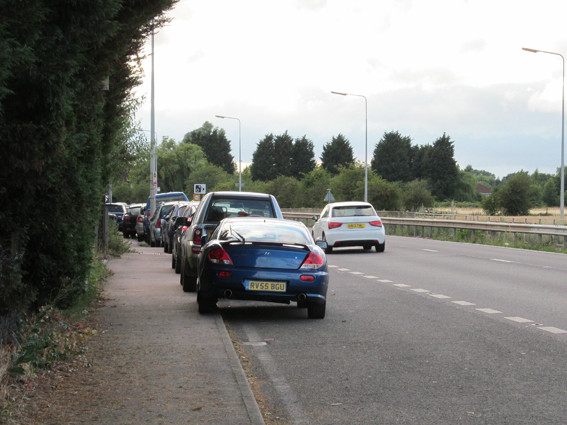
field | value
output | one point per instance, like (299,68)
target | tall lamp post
(239,151)
(365,143)
(562,194)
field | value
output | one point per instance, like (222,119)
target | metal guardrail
(514,228)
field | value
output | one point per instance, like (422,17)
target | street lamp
(239,151)
(365,143)
(562,194)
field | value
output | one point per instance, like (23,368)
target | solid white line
(519,319)
(488,310)
(552,330)
(462,303)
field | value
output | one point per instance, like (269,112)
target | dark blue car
(263,259)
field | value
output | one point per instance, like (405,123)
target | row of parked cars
(237,245)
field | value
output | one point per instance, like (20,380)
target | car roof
(235,194)
(349,204)
(268,220)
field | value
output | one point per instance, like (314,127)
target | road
(428,332)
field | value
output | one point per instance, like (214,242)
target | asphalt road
(428,332)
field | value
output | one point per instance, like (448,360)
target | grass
(522,241)
(51,335)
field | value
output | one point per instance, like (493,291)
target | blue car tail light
(313,261)
(219,256)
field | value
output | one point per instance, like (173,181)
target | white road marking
(502,261)
(401,285)
(519,319)
(462,302)
(488,310)
(332,265)
(420,290)
(430,250)
(370,277)
(344,270)
(552,329)
(440,296)
(385,281)
(356,273)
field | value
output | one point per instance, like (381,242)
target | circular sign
(196,197)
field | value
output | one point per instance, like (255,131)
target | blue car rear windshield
(265,232)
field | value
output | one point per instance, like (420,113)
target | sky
(425,68)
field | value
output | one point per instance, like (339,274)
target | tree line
(402,176)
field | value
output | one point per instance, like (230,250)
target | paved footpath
(159,361)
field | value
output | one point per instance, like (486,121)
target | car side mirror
(315,217)
(180,221)
(321,243)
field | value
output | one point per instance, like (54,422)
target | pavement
(156,359)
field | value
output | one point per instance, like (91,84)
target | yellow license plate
(257,285)
(356,226)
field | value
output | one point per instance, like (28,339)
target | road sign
(154,179)
(200,189)
(196,197)
(329,197)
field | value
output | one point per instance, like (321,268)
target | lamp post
(562,193)
(365,143)
(239,151)
(153,156)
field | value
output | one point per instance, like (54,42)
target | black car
(181,224)
(130,220)
(118,210)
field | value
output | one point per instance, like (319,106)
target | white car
(350,224)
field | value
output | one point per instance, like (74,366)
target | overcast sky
(426,68)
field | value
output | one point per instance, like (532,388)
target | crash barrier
(418,225)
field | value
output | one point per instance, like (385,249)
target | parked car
(214,207)
(131,219)
(181,224)
(350,224)
(160,197)
(263,259)
(140,224)
(169,225)
(118,209)
(157,220)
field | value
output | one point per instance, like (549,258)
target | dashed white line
(440,296)
(420,290)
(344,270)
(463,303)
(401,285)
(489,310)
(367,276)
(430,250)
(519,319)
(356,273)
(552,330)
(332,265)
(502,261)
(385,281)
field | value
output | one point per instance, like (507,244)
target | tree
(465,188)
(382,194)
(513,197)
(314,188)
(335,153)
(440,168)
(263,160)
(416,194)
(303,157)
(61,133)
(214,144)
(283,154)
(551,194)
(392,157)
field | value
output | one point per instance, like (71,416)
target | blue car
(263,259)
